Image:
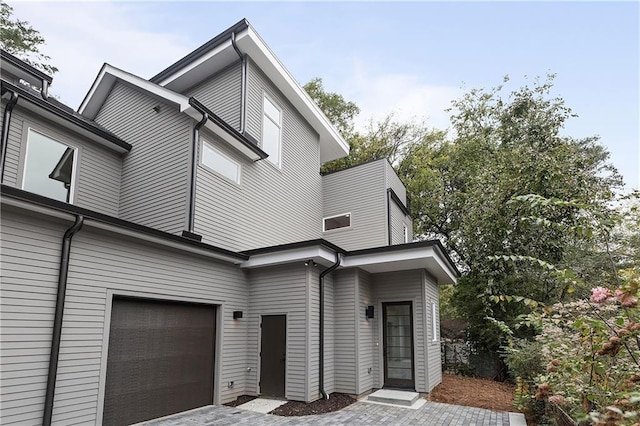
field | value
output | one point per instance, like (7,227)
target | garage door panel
(160,359)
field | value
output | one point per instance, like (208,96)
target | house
(172,244)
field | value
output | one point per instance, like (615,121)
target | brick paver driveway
(360,413)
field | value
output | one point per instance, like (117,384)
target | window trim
(267,97)
(25,163)
(210,146)
(324,221)
(434,321)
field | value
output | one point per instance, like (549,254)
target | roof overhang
(430,258)
(318,254)
(220,53)
(65,119)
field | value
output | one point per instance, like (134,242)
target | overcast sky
(411,58)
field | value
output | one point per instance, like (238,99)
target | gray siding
(406,286)
(155,173)
(280,290)
(367,335)
(432,293)
(398,221)
(394,182)
(329,334)
(360,191)
(270,206)
(99,261)
(345,319)
(98,177)
(221,94)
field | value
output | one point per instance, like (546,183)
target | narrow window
(434,322)
(405,233)
(336,222)
(272,131)
(220,163)
(49,167)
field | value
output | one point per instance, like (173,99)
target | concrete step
(395,397)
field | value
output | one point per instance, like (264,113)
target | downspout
(44,92)
(243,83)
(194,168)
(6,121)
(322,275)
(57,319)
(389,215)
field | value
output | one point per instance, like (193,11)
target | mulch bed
(241,400)
(474,392)
(336,401)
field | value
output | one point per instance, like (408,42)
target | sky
(409,58)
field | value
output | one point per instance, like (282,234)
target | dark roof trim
(244,138)
(72,118)
(296,245)
(18,63)
(399,202)
(408,246)
(200,51)
(19,194)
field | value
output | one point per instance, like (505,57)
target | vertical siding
(367,336)
(432,292)
(99,261)
(99,173)
(345,360)
(407,286)
(155,173)
(280,290)
(221,94)
(270,206)
(360,191)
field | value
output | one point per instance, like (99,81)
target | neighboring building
(172,245)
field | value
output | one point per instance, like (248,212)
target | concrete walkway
(360,413)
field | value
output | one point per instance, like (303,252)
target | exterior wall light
(237,314)
(368,312)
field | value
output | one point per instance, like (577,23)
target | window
(336,222)
(220,163)
(49,167)
(434,323)
(272,131)
(405,233)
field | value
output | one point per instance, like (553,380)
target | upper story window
(272,131)
(405,233)
(336,222)
(49,167)
(220,163)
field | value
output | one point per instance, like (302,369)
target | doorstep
(396,398)
(262,405)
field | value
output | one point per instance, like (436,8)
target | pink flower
(600,294)
(557,399)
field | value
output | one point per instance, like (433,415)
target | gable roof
(219,52)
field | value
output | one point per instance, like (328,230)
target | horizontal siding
(406,286)
(329,335)
(394,182)
(360,191)
(97,185)
(155,174)
(98,261)
(221,94)
(270,206)
(367,334)
(434,364)
(398,222)
(345,362)
(280,290)
(313,333)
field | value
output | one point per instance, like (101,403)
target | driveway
(360,413)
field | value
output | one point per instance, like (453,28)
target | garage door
(160,362)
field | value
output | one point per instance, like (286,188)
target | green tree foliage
(20,39)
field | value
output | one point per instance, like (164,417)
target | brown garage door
(160,361)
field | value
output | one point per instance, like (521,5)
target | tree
(20,39)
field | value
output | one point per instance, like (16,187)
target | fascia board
(105,81)
(333,146)
(218,49)
(318,254)
(444,273)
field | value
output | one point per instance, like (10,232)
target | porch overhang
(427,255)
(320,252)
